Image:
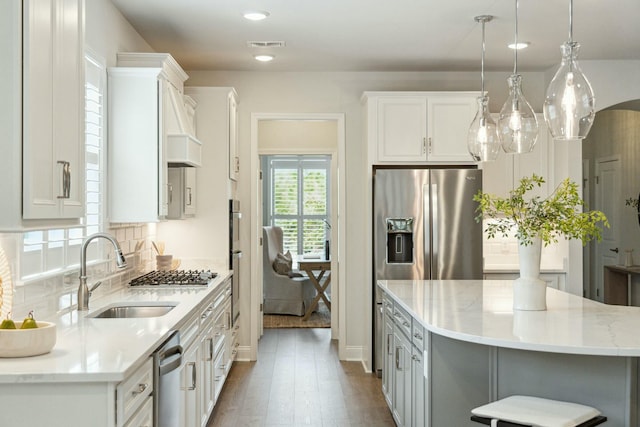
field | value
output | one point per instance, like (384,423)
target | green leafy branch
(560,214)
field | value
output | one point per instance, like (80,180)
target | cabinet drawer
(417,335)
(132,392)
(144,417)
(402,319)
(189,331)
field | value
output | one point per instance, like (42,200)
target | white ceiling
(382,35)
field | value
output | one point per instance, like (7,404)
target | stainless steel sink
(127,311)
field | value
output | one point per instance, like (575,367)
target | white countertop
(107,350)
(480,311)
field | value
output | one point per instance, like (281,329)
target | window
(47,251)
(297,195)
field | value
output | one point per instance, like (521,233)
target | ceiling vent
(266,44)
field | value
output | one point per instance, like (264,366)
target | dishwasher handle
(172,365)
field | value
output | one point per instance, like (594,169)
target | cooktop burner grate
(174,278)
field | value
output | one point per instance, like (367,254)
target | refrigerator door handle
(434,232)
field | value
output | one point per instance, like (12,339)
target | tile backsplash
(53,293)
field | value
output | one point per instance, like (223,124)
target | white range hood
(183,147)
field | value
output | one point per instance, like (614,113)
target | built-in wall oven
(234,256)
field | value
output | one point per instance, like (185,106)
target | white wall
(302,135)
(107,32)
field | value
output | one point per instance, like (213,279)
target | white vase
(529,291)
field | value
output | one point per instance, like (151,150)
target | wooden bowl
(27,342)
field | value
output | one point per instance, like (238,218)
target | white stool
(536,412)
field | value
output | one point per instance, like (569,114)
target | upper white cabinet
(150,127)
(182,193)
(419,126)
(42,112)
(499,177)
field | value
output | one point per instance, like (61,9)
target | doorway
(288,135)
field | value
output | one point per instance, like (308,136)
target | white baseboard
(353,353)
(244,353)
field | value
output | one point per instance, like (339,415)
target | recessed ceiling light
(256,15)
(520,45)
(264,58)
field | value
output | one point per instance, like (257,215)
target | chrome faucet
(83,290)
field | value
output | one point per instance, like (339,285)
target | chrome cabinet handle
(170,188)
(389,344)
(396,314)
(417,336)
(415,358)
(424,145)
(141,389)
(210,358)
(405,323)
(188,196)
(430,145)
(194,374)
(66,179)
(398,358)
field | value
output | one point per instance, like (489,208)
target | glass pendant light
(517,124)
(482,139)
(569,106)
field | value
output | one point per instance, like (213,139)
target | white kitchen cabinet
(419,127)
(149,128)
(402,378)
(418,388)
(189,386)
(206,392)
(42,109)
(387,358)
(499,177)
(448,118)
(182,193)
(133,393)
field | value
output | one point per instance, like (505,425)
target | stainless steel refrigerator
(423,228)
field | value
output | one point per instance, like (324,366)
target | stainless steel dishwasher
(166,363)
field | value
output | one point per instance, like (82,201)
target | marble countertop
(107,350)
(480,311)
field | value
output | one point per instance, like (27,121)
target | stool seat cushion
(537,412)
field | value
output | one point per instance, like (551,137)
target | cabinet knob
(141,389)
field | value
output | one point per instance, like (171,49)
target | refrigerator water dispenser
(399,240)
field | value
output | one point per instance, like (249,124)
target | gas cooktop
(174,278)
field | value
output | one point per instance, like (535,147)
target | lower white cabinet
(189,386)
(402,378)
(405,367)
(133,395)
(144,417)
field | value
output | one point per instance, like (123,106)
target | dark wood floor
(299,381)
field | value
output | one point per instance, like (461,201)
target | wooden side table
(322,266)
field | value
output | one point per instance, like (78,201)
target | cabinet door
(418,387)
(388,367)
(402,379)
(189,192)
(206,375)
(189,378)
(234,159)
(53,109)
(449,118)
(402,128)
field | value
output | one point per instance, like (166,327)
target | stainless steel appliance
(166,403)
(424,228)
(155,279)
(234,257)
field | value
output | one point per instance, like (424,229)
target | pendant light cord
(570,21)
(515,48)
(482,62)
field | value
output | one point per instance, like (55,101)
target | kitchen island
(100,373)
(477,349)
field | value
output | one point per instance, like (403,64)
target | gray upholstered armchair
(282,294)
